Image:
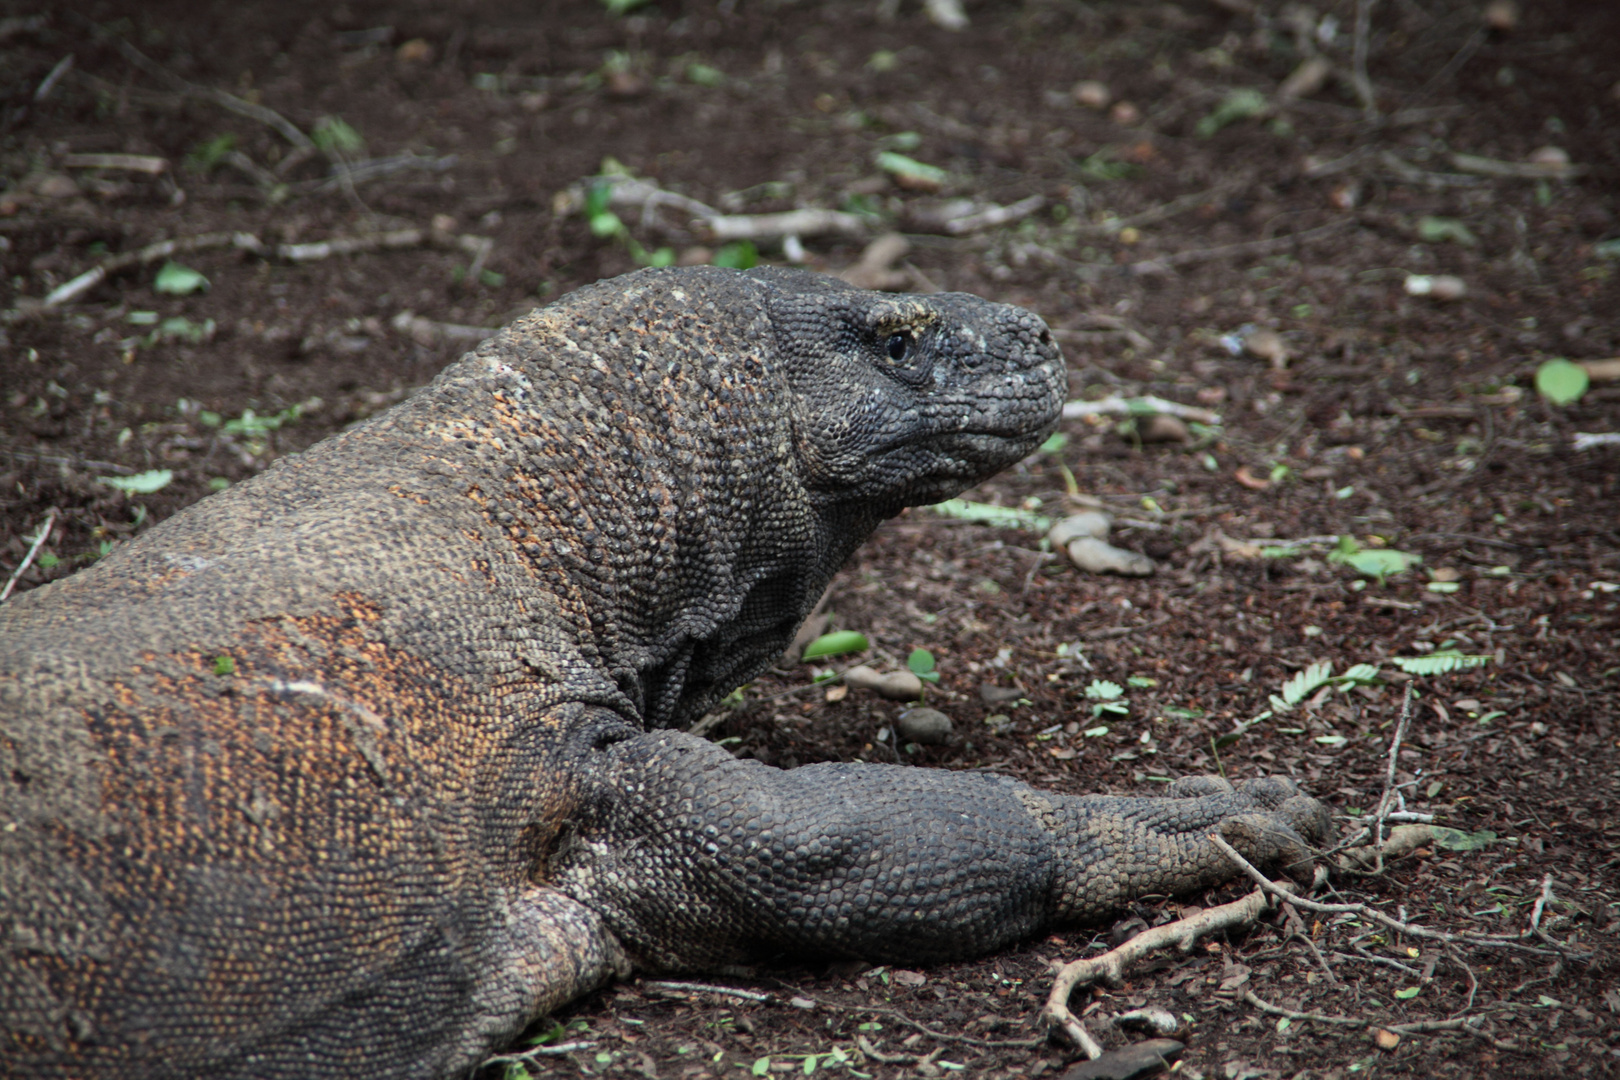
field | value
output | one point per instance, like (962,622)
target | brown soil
(1398,420)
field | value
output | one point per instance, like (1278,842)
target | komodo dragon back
(359,764)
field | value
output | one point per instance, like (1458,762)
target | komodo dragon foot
(697,859)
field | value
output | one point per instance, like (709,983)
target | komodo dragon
(361,765)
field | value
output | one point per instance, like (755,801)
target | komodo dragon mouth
(371,783)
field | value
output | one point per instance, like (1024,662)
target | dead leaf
(1063,753)
(908,978)
(837,693)
(1249,480)
(1386,1039)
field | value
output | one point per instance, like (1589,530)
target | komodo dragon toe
(359,766)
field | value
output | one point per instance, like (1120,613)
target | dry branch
(478,246)
(1120,406)
(1372,914)
(1110,966)
(33,549)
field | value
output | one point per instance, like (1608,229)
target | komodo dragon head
(280,780)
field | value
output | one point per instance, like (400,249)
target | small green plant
(205,157)
(910,170)
(332,135)
(737,255)
(1561,382)
(1435,230)
(1442,662)
(1372,562)
(224,665)
(177,280)
(921,664)
(1238,105)
(1003,517)
(141,483)
(604,223)
(1108,699)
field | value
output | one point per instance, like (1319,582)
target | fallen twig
(1416,1027)
(1135,406)
(629,191)
(1110,966)
(995,215)
(1161,263)
(1372,914)
(71,290)
(877,1055)
(427,332)
(1518,170)
(33,549)
(1358,75)
(141,163)
(704,988)
(269,117)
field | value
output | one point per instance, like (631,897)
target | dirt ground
(1259,269)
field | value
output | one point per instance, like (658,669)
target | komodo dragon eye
(899,346)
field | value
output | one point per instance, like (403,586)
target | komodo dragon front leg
(695,859)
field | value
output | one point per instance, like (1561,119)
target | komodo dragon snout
(365,763)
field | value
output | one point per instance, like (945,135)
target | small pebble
(895,685)
(1092,94)
(1089,523)
(1436,286)
(998,695)
(1097,556)
(1163,428)
(1549,155)
(1502,15)
(924,725)
(1124,113)
(1268,345)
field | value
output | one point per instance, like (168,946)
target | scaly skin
(356,766)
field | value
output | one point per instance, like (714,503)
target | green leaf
(1231,737)
(1054,442)
(177,280)
(224,665)
(206,155)
(1103,690)
(1434,230)
(142,318)
(1238,105)
(141,483)
(762,1067)
(1561,382)
(1409,993)
(1359,675)
(1095,732)
(1002,517)
(1141,682)
(835,644)
(1457,840)
(605,224)
(809,1064)
(1440,663)
(921,662)
(704,75)
(1305,683)
(181,328)
(333,135)
(1373,562)
(737,255)
(1332,740)
(911,168)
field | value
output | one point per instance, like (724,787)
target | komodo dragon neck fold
(354,766)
